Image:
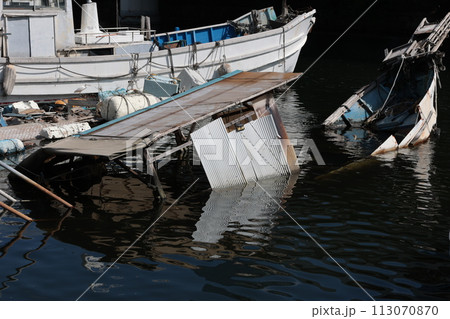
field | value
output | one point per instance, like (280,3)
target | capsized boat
(402,102)
(43,58)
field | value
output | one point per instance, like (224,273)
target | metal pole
(117,14)
(30,181)
(12,210)
(148,27)
(4,194)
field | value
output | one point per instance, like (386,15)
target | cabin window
(34,4)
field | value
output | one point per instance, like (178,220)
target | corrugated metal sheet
(263,136)
(217,156)
(266,105)
(240,157)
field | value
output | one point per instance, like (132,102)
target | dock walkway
(247,94)
(150,124)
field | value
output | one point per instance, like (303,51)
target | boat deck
(112,139)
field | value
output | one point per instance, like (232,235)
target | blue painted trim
(206,34)
(226,76)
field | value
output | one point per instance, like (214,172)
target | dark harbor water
(385,220)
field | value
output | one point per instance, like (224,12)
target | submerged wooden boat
(402,102)
(42,57)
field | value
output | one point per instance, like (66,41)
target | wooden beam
(152,170)
(40,187)
(16,212)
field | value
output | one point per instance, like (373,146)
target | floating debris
(61,131)
(161,86)
(33,183)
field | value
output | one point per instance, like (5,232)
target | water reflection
(426,197)
(27,261)
(355,142)
(246,211)
(111,215)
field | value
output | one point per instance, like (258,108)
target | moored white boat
(43,58)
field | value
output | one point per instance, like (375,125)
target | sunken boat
(401,104)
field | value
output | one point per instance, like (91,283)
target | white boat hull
(276,50)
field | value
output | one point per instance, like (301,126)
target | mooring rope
(393,84)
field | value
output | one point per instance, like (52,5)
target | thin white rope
(393,84)
(137,239)
(328,49)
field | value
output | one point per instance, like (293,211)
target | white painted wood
(389,145)
(19,38)
(42,37)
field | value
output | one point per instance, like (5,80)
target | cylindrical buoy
(11,146)
(120,105)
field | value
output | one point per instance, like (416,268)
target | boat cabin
(36,28)
(45,28)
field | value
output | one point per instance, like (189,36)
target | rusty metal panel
(198,105)
(194,106)
(27,131)
(111,148)
(24,132)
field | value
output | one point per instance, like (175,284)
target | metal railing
(111,32)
